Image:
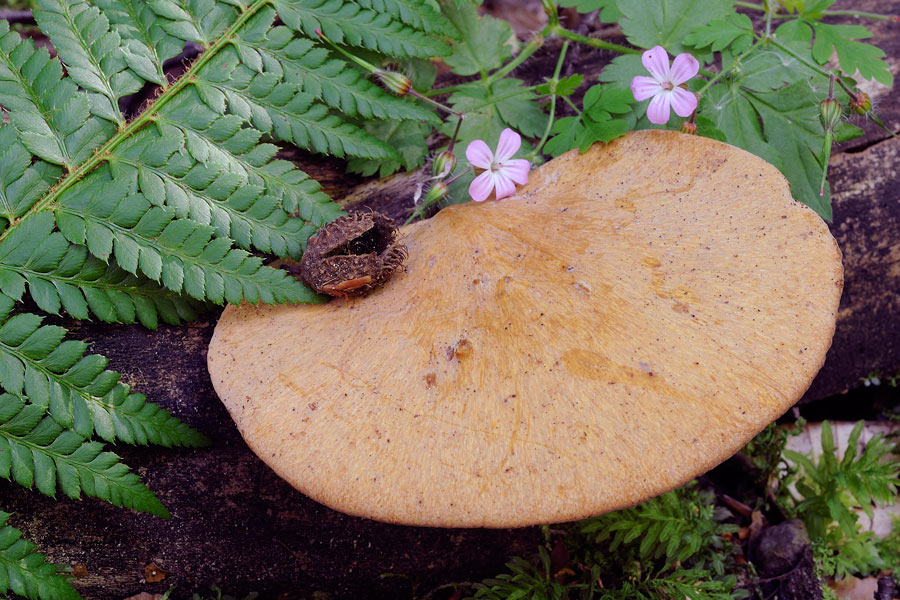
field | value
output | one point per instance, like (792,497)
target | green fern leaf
(145,44)
(25,572)
(52,116)
(36,452)
(348,23)
(276,107)
(180,253)
(213,140)
(61,275)
(201,21)
(78,391)
(91,53)
(417,13)
(216,191)
(331,80)
(21,182)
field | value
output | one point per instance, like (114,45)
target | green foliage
(151,217)
(526,582)
(609,11)
(595,123)
(828,492)
(647,24)
(485,42)
(25,572)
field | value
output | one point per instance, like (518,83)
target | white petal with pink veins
(644,87)
(684,67)
(656,60)
(517,170)
(481,186)
(658,109)
(683,102)
(479,155)
(509,144)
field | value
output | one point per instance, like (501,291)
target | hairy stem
(553,97)
(592,42)
(825,13)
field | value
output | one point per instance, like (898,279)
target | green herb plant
(828,495)
(152,216)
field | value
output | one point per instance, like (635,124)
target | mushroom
(631,318)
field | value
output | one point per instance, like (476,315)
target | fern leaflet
(25,572)
(36,452)
(77,390)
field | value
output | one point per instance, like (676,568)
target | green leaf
(735,32)
(348,23)
(609,12)
(90,51)
(407,137)
(52,116)
(648,23)
(853,56)
(419,14)
(330,80)
(76,466)
(562,87)
(25,572)
(505,103)
(486,42)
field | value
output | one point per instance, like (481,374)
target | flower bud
(860,103)
(396,83)
(443,164)
(830,113)
(689,127)
(438,192)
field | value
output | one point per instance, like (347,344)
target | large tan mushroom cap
(627,321)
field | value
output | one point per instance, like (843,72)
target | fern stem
(148,116)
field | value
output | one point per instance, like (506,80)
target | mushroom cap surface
(631,318)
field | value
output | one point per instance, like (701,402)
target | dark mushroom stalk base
(627,321)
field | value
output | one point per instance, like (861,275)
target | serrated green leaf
(486,42)
(25,572)
(609,11)
(406,137)
(666,23)
(853,56)
(735,32)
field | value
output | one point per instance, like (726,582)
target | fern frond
(348,23)
(416,13)
(36,452)
(331,80)
(53,117)
(78,391)
(61,275)
(145,44)
(82,38)
(217,193)
(26,572)
(276,107)
(180,253)
(21,182)
(215,141)
(201,21)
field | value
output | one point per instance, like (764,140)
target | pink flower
(502,170)
(664,84)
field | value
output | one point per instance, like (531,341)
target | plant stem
(592,42)
(825,13)
(814,67)
(725,70)
(559,63)
(148,116)
(530,48)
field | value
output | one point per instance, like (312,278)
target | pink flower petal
(509,144)
(516,169)
(505,186)
(658,110)
(656,60)
(683,102)
(684,67)
(481,186)
(479,155)
(644,87)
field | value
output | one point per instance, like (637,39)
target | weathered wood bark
(234,522)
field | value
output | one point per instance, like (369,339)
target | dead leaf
(853,588)
(145,596)
(153,573)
